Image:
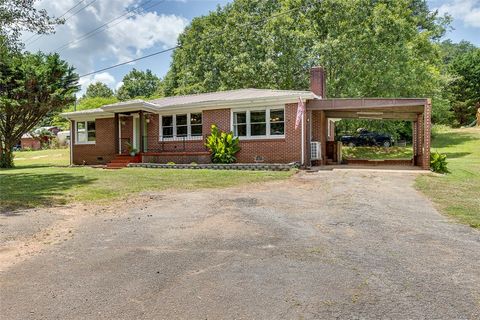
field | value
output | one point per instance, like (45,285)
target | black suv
(367,138)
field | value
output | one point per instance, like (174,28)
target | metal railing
(174,144)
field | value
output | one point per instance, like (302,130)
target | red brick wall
(275,150)
(104,148)
(30,143)
(284,150)
(219,117)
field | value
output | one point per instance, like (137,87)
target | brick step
(117,165)
(121,161)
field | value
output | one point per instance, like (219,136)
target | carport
(320,129)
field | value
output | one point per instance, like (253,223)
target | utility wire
(74,14)
(130,61)
(76,5)
(107,25)
(80,10)
(178,46)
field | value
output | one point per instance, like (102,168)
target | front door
(138,132)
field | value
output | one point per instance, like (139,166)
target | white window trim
(86,131)
(174,124)
(267,118)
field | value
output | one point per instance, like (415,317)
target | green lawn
(457,194)
(376,153)
(43,178)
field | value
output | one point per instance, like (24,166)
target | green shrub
(171,163)
(438,163)
(222,145)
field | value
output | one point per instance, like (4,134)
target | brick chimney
(318,83)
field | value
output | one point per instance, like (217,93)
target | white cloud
(125,39)
(466,10)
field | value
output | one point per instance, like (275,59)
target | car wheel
(386,144)
(351,144)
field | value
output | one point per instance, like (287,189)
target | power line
(74,14)
(100,28)
(178,46)
(80,10)
(130,61)
(76,5)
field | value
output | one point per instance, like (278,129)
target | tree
(98,90)
(450,50)
(31,86)
(466,86)
(17,16)
(369,48)
(138,83)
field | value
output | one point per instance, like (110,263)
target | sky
(148,26)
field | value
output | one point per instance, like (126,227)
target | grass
(377,153)
(43,178)
(458,193)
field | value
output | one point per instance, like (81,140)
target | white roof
(231,95)
(217,99)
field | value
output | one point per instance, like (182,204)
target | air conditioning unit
(315,150)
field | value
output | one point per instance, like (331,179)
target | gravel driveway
(341,244)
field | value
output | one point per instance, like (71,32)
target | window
(85,132)
(167,126)
(258,123)
(277,122)
(181,125)
(196,124)
(268,122)
(240,124)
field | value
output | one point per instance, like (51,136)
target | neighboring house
(174,128)
(29,142)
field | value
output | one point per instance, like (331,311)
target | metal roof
(211,99)
(229,96)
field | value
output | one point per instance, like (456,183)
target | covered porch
(417,111)
(138,131)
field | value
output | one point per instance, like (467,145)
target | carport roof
(370,108)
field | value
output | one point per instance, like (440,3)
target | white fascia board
(79,115)
(128,107)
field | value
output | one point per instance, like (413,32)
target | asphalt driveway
(342,244)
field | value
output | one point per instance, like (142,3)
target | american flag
(300,112)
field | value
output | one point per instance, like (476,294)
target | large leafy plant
(438,163)
(223,146)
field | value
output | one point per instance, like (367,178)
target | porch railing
(174,144)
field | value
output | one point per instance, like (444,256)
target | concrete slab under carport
(416,110)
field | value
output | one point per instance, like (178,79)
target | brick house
(174,128)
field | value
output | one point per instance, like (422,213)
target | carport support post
(427,123)
(323,136)
(420,139)
(415,142)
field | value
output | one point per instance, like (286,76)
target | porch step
(122,161)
